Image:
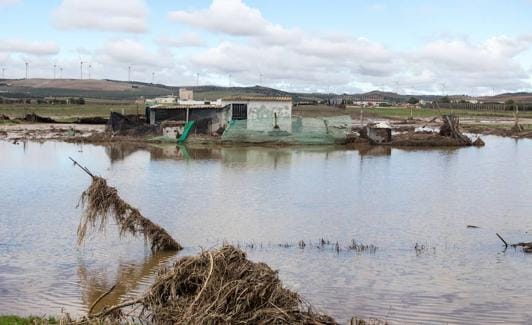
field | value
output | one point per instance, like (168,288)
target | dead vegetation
(525,246)
(101,201)
(220,287)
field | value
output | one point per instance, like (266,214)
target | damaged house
(209,117)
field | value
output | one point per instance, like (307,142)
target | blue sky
(416,46)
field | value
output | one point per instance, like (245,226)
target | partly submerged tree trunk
(102,201)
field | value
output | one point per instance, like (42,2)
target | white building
(261,113)
(186,94)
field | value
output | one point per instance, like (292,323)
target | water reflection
(203,195)
(244,154)
(130,278)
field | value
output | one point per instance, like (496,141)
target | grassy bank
(31,320)
(65,113)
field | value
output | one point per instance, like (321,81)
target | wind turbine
(27,66)
(90,67)
(81,69)
(3,73)
(129,73)
(55,67)
(153,77)
(60,72)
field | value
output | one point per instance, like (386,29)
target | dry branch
(102,201)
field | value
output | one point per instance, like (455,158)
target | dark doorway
(240,112)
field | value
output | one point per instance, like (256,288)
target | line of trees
(53,101)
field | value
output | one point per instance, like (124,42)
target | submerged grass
(102,201)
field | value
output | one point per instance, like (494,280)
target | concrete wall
(261,114)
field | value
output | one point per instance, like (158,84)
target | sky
(476,47)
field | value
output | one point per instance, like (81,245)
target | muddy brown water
(391,198)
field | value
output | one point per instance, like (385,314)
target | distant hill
(122,90)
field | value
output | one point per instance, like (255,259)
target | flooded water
(391,198)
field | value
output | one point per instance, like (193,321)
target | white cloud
(303,59)
(184,40)
(462,65)
(226,16)
(235,18)
(28,47)
(103,15)
(129,52)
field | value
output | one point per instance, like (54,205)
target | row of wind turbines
(81,71)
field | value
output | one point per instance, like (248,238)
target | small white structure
(261,113)
(186,94)
(165,100)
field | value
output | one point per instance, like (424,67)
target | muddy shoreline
(93,133)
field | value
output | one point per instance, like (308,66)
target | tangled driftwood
(220,287)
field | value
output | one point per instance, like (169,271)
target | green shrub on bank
(30,320)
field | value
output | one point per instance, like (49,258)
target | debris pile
(449,135)
(102,201)
(451,129)
(220,287)
(91,120)
(119,124)
(37,119)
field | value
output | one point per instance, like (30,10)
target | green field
(66,113)
(398,112)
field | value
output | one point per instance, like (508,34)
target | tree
(413,100)
(445,99)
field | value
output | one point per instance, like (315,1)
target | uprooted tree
(451,128)
(102,201)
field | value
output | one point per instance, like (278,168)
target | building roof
(204,106)
(258,99)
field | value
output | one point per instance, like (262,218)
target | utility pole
(55,67)
(27,64)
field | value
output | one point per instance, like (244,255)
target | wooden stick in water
(504,241)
